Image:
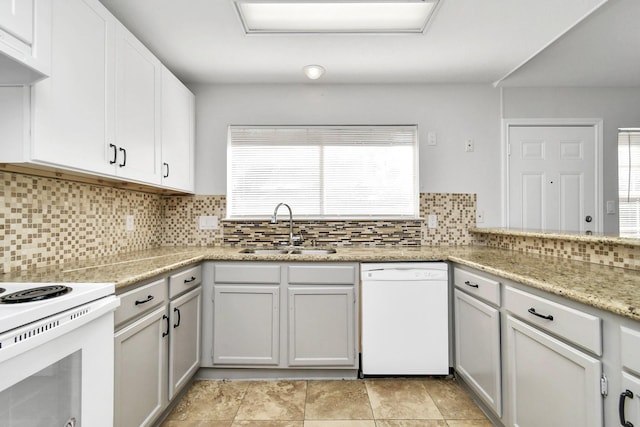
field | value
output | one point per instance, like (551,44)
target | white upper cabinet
(137,109)
(25,27)
(101,112)
(73,109)
(178,111)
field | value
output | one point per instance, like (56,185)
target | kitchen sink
(260,251)
(313,251)
(292,251)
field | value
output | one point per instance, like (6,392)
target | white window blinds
(629,182)
(323,171)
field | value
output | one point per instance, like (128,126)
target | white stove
(15,314)
(56,339)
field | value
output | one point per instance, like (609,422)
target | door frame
(598,129)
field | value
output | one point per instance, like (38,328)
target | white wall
(617,107)
(455,112)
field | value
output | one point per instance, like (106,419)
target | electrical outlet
(432,221)
(469,145)
(129,223)
(611,207)
(479,217)
(206,222)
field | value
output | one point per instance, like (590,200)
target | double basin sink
(288,251)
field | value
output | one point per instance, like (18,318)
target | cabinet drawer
(575,326)
(479,286)
(247,273)
(322,274)
(630,349)
(185,280)
(140,300)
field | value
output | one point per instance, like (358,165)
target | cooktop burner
(2,290)
(35,294)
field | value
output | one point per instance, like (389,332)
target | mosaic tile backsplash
(45,221)
(614,255)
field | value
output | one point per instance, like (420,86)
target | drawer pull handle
(165,317)
(623,396)
(175,310)
(473,285)
(533,311)
(189,280)
(142,301)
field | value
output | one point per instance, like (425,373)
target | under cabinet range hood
(25,38)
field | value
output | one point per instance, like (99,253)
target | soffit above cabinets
(466,41)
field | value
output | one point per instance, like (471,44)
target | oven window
(50,397)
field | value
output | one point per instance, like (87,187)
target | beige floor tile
(210,400)
(469,423)
(452,400)
(270,423)
(273,400)
(411,423)
(339,423)
(401,400)
(196,424)
(337,400)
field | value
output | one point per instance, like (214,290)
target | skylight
(332,16)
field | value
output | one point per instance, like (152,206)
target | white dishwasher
(405,318)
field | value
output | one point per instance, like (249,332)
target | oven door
(60,373)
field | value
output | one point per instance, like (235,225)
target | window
(323,171)
(629,181)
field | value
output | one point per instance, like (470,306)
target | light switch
(611,207)
(432,138)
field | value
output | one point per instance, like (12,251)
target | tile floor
(350,403)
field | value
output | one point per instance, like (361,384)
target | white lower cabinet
(157,348)
(140,370)
(184,340)
(319,332)
(551,383)
(477,342)
(280,315)
(246,327)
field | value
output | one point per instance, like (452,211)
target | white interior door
(552,179)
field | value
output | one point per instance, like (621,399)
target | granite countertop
(608,288)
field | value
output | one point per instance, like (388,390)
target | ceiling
(467,41)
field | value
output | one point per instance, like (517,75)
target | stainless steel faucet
(293,240)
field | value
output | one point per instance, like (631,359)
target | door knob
(588,218)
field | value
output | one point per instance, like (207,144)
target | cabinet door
(141,370)
(246,327)
(184,347)
(16,18)
(177,133)
(137,122)
(477,340)
(550,383)
(321,326)
(72,109)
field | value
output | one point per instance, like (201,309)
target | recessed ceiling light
(333,16)
(314,72)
